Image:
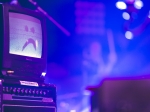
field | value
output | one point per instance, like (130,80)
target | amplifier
(25,96)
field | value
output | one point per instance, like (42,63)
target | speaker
(122,95)
(25,96)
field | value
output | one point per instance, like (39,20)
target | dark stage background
(96,34)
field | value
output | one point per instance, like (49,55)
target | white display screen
(25,35)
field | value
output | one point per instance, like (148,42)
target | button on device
(33,91)
(18,90)
(37,92)
(44,93)
(41,92)
(14,90)
(22,90)
(30,92)
(26,91)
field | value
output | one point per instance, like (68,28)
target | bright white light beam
(126,16)
(129,35)
(138,4)
(121,5)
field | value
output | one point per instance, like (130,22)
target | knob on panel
(14,90)
(41,92)
(22,90)
(37,92)
(18,90)
(33,92)
(30,92)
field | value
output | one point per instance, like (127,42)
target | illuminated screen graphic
(25,35)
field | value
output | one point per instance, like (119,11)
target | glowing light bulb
(126,16)
(129,35)
(121,5)
(138,4)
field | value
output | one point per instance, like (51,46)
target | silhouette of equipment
(22,83)
(121,95)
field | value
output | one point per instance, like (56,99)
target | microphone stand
(50,18)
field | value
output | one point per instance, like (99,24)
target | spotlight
(131,8)
(121,5)
(129,35)
(138,4)
(126,16)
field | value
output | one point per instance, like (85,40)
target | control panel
(28,90)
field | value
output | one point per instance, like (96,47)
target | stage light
(138,4)
(121,5)
(132,8)
(126,16)
(129,35)
(43,74)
